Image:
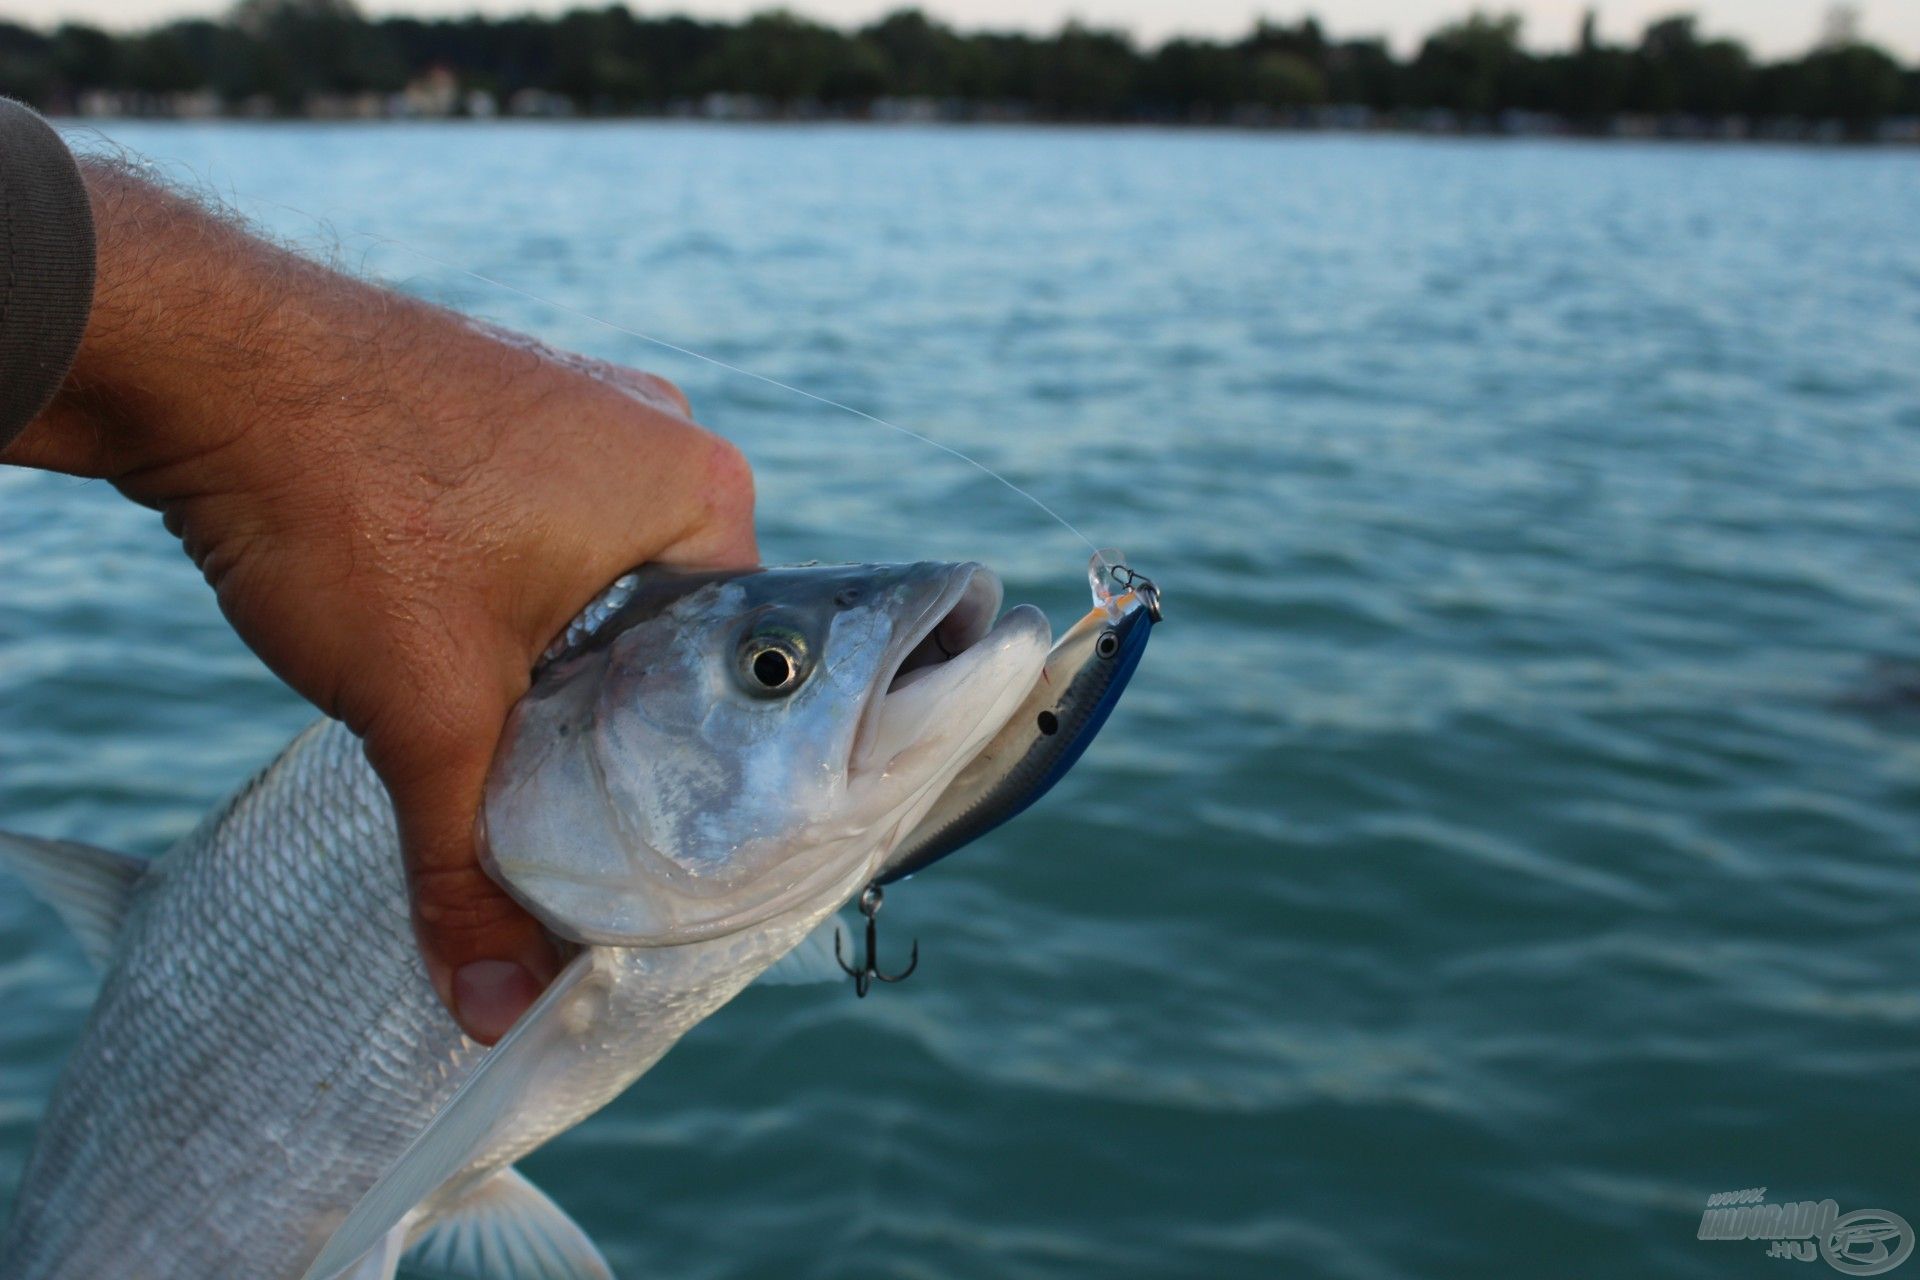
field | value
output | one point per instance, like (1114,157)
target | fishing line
(718,363)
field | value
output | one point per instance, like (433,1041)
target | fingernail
(490,995)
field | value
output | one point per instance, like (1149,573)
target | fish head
(717,750)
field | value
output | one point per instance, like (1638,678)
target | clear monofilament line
(718,363)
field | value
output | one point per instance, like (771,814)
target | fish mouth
(956,662)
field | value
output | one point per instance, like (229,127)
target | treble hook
(871,899)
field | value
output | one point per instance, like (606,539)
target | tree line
(286,56)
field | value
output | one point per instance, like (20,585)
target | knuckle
(729,482)
(669,391)
(459,900)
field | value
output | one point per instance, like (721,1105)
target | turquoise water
(1510,839)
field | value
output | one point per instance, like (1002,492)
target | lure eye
(773,662)
(1107,645)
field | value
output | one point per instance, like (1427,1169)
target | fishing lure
(1084,676)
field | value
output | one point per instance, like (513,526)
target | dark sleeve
(46,265)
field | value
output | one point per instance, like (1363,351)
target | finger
(659,392)
(488,959)
(665,392)
(721,533)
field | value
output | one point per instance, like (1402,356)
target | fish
(702,773)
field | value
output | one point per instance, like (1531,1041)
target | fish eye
(1107,645)
(774,661)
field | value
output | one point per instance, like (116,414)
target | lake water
(1511,836)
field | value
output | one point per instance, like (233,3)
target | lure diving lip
(1084,676)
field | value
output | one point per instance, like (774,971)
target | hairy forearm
(213,357)
(184,314)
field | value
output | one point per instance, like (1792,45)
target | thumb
(488,959)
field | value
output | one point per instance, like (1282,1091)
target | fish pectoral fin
(548,1038)
(382,1261)
(811,961)
(90,888)
(506,1229)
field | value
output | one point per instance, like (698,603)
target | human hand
(397,508)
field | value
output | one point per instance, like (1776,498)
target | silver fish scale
(230,1088)
(266,1043)
(596,612)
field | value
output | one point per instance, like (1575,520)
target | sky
(1770,27)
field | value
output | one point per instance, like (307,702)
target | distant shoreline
(327,60)
(1815,134)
